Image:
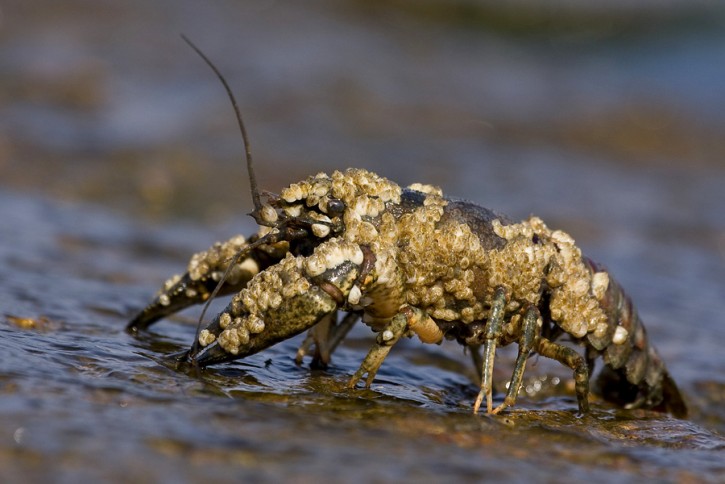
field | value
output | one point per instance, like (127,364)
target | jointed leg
(494,328)
(390,335)
(318,337)
(325,336)
(526,344)
(340,331)
(591,355)
(573,360)
(477,359)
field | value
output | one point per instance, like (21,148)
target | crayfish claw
(209,355)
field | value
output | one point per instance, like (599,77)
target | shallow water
(119,158)
(94,402)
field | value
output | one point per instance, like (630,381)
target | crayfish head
(324,206)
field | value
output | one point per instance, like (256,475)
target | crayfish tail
(672,402)
(662,396)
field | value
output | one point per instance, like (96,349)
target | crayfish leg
(526,342)
(318,337)
(325,337)
(390,335)
(476,359)
(493,332)
(339,331)
(567,356)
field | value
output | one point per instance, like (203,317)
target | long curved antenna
(252,179)
(252,184)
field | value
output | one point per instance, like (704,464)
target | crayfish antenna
(247,148)
(256,214)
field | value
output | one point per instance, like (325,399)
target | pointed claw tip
(208,355)
(135,326)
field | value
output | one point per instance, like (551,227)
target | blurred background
(120,155)
(523,106)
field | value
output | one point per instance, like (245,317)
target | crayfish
(410,261)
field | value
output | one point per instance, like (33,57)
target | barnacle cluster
(442,263)
(351,186)
(207,265)
(331,255)
(532,250)
(213,262)
(205,271)
(266,291)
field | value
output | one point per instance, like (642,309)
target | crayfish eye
(335,207)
